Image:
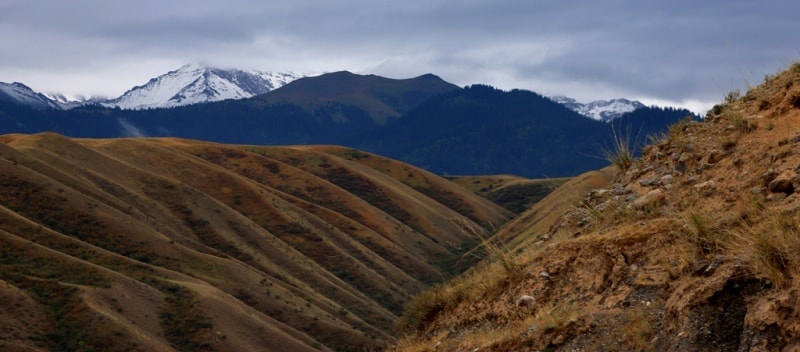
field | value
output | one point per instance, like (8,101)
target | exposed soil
(695,247)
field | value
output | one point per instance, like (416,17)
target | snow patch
(601,110)
(21,94)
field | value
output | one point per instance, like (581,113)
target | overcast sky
(686,52)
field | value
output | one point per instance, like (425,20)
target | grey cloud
(672,51)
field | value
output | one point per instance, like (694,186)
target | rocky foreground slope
(171,244)
(694,247)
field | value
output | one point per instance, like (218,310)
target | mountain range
(175,244)
(195,83)
(423,120)
(189,84)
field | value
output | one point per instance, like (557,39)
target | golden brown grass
(241,246)
(769,249)
(620,154)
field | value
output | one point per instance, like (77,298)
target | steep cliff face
(695,247)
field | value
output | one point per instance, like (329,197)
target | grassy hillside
(514,193)
(172,244)
(693,247)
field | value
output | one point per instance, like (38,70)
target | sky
(686,53)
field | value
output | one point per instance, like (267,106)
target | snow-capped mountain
(67,103)
(603,110)
(21,94)
(192,84)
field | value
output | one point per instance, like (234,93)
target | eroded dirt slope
(695,247)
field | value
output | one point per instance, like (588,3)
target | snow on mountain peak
(19,93)
(195,83)
(601,110)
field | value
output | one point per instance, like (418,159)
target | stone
(776,197)
(650,199)
(527,302)
(667,179)
(768,176)
(782,183)
(714,156)
(706,188)
(621,191)
(602,192)
(544,274)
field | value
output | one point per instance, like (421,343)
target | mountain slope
(381,98)
(695,247)
(161,244)
(20,94)
(424,121)
(481,130)
(192,84)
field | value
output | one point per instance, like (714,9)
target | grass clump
(620,154)
(770,249)
(426,306)
(702,232)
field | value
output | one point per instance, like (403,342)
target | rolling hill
(176,244)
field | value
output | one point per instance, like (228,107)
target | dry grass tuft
(620,153)
(702,233)
(769,249)
(635,333)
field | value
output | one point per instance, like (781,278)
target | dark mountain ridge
(424,120)
(483,130)
(383,98)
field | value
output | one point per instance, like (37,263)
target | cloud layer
(678,52)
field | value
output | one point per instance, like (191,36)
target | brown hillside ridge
(172,244)
(695,247)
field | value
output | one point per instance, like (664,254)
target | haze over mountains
(422,120)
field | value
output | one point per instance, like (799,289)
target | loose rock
(649,200)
